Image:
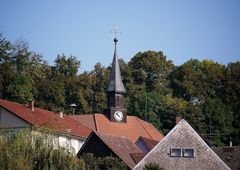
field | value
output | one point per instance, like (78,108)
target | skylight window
(175,152)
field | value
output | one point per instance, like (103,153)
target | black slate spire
(115,82)
(115,90)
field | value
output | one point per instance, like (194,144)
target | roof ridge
(95,122)
(143,127)
(85,142)
(199,137)
(24,105)
(41,117)
(114,149)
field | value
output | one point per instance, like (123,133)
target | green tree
(20,89)
(200,80)
(85,93)
(20,57)
(6,71)
(27,149)
(151,68)
(158,109)
(51,95)
(65,72)
(17,71)
(152,166)
(147,84)
(219,116)
(67,66)
(148,106)
(202,85)
(231,96)
(108,162)
(99,78)
(91,97)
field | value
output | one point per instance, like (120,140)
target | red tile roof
(44,118)
(87,119)
(122,147)
(132,129)
(137,157)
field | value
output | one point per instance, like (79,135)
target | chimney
(31,105)
(61,114)
(178,119)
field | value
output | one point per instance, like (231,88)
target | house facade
(182,148)
(102,145)
(67,132)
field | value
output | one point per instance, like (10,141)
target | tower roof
(115,82)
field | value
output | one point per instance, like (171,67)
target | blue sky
(182,29)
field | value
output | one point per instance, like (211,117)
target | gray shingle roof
(183,136)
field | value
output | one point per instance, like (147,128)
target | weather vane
(115,31)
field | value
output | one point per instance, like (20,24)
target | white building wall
(72,143)
(9,120)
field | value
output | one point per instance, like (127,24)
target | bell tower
(115,90)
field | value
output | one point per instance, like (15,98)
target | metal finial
(115,40)
(115,31)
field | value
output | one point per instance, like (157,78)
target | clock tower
(115,90)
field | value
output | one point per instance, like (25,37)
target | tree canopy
(27,150)
(205,93)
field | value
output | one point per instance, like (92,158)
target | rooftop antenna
(210,135)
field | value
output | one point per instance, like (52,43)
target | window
(10,135)
(175,152)
(188,153)
(118,100)
(182,152)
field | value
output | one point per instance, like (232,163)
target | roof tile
(43,118)
(120,146)
(132,129)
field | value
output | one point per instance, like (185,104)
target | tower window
(118,100)
(175,152)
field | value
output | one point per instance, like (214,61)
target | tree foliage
(36,149)
(152,166)
(27,150)
(205,93)
(108,162)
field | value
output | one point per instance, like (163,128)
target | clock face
(118,115)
